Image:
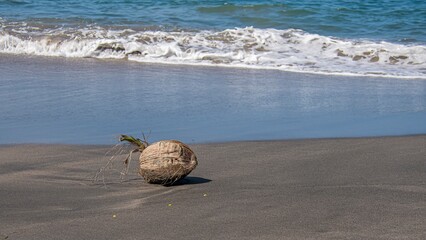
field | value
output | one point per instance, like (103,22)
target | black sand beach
(308,119)
(365,188)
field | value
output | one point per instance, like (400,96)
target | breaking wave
(289,50)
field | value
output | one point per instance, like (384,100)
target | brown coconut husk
(163,162)
(166,162)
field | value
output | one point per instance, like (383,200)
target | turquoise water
(395,21)
(201,71)
(367,38)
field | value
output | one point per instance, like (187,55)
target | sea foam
(289,49)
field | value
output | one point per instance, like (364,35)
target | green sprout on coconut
(139,143)
(163,162)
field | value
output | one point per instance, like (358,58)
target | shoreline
(93,102)
(221,66)
(364,188)
(219,142)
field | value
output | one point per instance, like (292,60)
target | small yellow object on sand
(169,204)
(114,216)
(205,195)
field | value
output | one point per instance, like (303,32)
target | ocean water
(202,71)
(63,100)
(334,37)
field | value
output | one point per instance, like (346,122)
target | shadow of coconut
(190,181)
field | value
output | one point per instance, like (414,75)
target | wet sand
(365,188)
(89,101)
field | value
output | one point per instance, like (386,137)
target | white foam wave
(290,50)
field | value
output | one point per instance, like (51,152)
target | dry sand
(371,188)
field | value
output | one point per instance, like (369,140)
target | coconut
(166,162)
